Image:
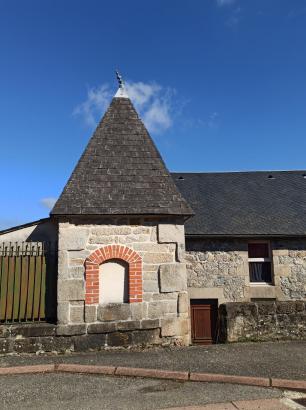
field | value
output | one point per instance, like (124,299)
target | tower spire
(121,93)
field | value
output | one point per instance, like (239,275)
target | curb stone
(156,374)
(153,373)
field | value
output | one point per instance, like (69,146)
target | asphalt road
(82,392)
(285,360)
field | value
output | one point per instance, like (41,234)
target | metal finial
(120,80)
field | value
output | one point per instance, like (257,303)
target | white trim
(261,284)
(259,259)
(121,93)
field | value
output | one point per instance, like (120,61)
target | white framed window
(260,263)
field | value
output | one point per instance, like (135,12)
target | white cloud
(153,102)
(96,102)
(48,202)
(213,120)
(222,3)
(235,17)
(157,118)
(141,93)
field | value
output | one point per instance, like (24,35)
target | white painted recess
(113,282)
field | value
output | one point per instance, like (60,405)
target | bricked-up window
(260,262)
(113,282)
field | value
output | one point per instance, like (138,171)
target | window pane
(258,250)
(260,272)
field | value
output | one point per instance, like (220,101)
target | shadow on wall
(238,245)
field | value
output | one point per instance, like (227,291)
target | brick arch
(104,254)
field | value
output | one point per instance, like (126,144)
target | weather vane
(120,80)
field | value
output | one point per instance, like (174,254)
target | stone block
(70,289)
(70,330)
(147,297)
(76,272)
(60,344)
(32,330)
(27,345)
(164,296)
(90,313)
(180,252)
(282,270)
(150,324)
(89,342)
(157,310)
(107,327)
(285,307)
(63,312)
(102,240)
(138,311)
(123,339)
(77,312)
(300,306)
(150,286)
(111,230)
(129,325)
(73,239)
(4,331)
(183,302)
(80,255)
(171,233)
(6,346)
(114,311)
(62,264)
(156,258)
(266,308)
(151,247)
(174,327)
(173,277)
(146,337)
(143,230)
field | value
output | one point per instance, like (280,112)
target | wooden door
(204,315)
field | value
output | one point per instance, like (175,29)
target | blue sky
(221,85)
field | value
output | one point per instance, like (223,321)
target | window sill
(262,284)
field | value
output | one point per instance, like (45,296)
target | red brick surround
(113,252)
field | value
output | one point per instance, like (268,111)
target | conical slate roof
(121,172)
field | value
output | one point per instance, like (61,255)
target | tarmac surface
(285,360)
(84,392)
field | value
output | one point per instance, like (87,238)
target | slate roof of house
(121,172)
(245,203)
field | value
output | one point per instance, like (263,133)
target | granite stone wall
(289,259)
(222,267)
(262,321)
(218,264)
(164,306)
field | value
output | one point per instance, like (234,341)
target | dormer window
(260,262)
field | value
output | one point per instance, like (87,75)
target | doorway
(204,316)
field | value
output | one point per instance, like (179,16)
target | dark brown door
(204,315)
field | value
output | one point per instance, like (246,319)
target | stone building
(126,230)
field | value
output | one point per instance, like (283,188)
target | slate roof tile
(245,203)
(121,172)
